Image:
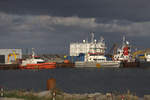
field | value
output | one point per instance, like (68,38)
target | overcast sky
(52,24)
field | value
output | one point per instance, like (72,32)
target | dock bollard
(98,65)
(51,85)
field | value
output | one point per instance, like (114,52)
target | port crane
(13,54)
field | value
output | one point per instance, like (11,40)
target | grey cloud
(131,29)
(35,25)
(56,32)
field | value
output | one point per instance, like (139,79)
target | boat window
(98,59)
(41,62)
(37,58)
(92,54)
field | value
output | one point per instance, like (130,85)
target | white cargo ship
(94,54)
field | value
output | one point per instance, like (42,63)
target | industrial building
(85,47)
(77,48)
(9,56)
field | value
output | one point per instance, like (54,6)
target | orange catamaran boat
(36,63)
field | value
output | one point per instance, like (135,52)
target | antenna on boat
(124,39)
(33,53)
(101,39)
(92,37)
(87,40)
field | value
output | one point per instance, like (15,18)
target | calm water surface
(83,80)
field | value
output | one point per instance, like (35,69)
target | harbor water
(80,80)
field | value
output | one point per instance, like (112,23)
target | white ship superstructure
(32,60)
(96,51)
(124,52)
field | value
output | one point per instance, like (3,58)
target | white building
(8,56)
(77,48)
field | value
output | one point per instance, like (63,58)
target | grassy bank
(47,95)
(22,95)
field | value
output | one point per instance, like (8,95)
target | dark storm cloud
(133,10)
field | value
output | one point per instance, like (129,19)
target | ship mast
(124,39)
(92,37)
(33,53)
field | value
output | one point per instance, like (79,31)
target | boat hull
(39,66)
(107,64)
(144,64)
(130,64)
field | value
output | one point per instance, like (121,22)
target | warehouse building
(9,56)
